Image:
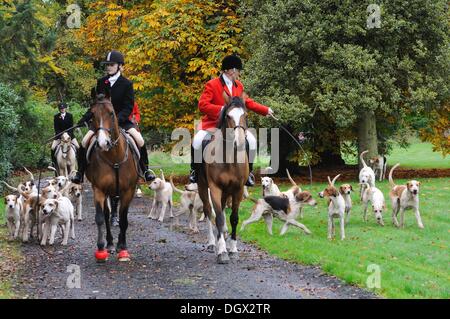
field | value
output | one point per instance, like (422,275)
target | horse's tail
(174,187)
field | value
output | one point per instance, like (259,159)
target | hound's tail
(162,176)
(174,187)
(31,174)
(10,187)
(391,181)
(367,186)
(290,178)
(253,200)
(52,168)
(361,157)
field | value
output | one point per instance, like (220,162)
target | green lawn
(417,155)
(414,263)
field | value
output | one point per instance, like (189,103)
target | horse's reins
(115,166)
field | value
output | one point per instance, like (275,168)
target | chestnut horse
(224,174)
(113,174)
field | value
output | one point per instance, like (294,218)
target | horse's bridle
(110,131)
(224,138)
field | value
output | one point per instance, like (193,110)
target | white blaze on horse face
(239,134)
(102,138)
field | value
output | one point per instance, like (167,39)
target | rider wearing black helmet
(122,99)
(61,122)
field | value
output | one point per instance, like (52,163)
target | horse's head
(105,122)
(233,119)
(65,144)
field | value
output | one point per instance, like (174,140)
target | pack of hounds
(57,205)
(288,206)
(60,202)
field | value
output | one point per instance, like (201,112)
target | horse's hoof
(223,258)
(114,222)
(233,256)
(123,256)
(101,255)
(211,249)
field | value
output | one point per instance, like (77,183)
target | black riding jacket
(122,98)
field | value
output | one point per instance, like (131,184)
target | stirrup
(251,180)
(148,176)
(193,176)
(78,178)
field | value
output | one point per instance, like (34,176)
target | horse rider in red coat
(211,103)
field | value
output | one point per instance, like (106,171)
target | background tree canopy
(325,72)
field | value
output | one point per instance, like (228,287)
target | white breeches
(200,136)
(137,136)
(56,142)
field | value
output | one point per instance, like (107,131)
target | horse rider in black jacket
(61,122)
(122,98)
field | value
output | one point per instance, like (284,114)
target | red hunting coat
(211,102)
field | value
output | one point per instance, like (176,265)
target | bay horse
(113,174)
(224,174)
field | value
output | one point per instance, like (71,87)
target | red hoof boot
(101,255)
(123,255)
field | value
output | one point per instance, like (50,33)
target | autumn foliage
(171,49)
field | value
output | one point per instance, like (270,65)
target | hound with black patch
(281,207)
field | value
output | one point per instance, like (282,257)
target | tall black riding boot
(251,178)
(82,163)
(193,173)
(143,163)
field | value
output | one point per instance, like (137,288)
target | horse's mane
(235,101)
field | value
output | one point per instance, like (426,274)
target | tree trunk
(367,135)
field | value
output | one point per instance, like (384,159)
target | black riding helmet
(62,105)
(114,57)
(231,62)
